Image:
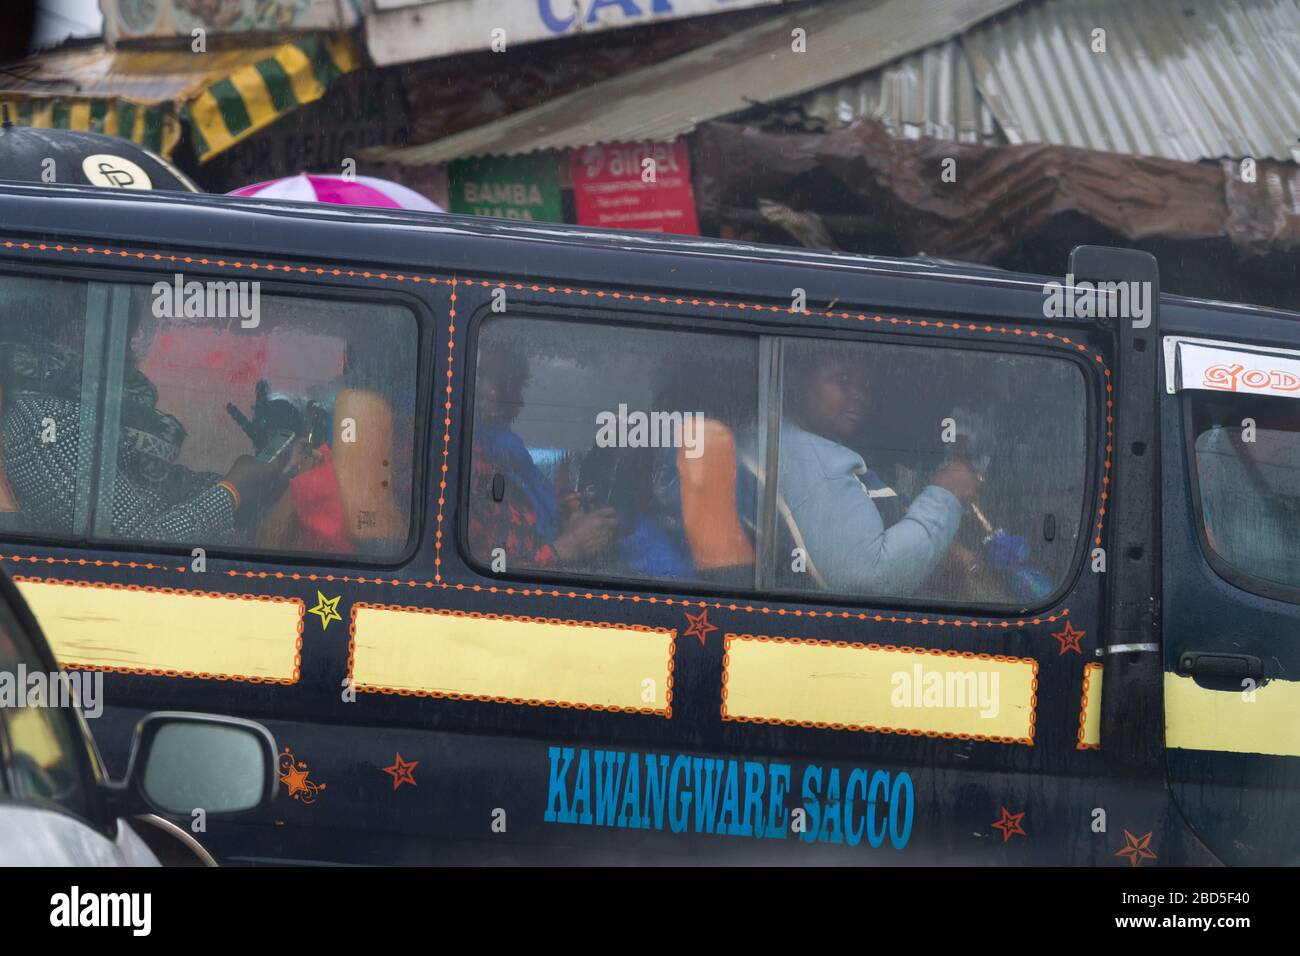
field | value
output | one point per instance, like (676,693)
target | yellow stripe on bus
(169,633)
(1197,718)
(1090,709)
(508,659)
(879,688)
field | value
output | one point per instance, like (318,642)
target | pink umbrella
(357,191)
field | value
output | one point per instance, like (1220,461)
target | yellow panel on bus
(879,688)
(511,659)
(169,632)
(1264,719)
(1089,737)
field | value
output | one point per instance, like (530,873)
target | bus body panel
(401,745)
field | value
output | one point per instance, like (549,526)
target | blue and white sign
(399,31)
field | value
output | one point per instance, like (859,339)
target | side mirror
(182,762)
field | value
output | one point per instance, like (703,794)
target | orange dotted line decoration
(90,562)
(446,436)
(742,608)
(171,672)
(219,263)
(666,711)
(866,728)
(614,597)
(937,325)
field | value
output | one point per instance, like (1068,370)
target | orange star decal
(295,775)
(401,771)
(295,780)
(700,626)
(1138,849)
(1010,824)
(1070,638)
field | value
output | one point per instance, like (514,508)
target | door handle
(1222,666)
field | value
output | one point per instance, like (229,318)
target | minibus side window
(613,452)
(1247,458)
(288,425)
(930,474)
(207,415)
(46,416)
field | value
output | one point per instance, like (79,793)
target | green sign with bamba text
(508,187)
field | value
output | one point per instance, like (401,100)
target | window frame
(1242,580)
(631,317)
(465,441)
(85,539)
(95,318)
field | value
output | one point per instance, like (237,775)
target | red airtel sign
(635,186)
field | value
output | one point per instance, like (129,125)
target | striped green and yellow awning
(224,96)
(258,93)
(149,126)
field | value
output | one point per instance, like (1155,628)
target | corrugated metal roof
(1180,79)
(668,99)
(931,93)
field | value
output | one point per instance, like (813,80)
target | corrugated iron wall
(931,93)
(1180,79)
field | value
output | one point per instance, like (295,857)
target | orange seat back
(364,467)
(708,487)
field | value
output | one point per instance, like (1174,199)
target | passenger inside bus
(646,510)
(572,468)
(185,470)
(515,513)
(857,535)
(640,451)
(340,389)
(153,497)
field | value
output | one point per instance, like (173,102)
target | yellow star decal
(327,609)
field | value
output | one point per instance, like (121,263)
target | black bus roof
(463,243)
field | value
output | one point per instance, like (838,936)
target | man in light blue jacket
(856,536)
